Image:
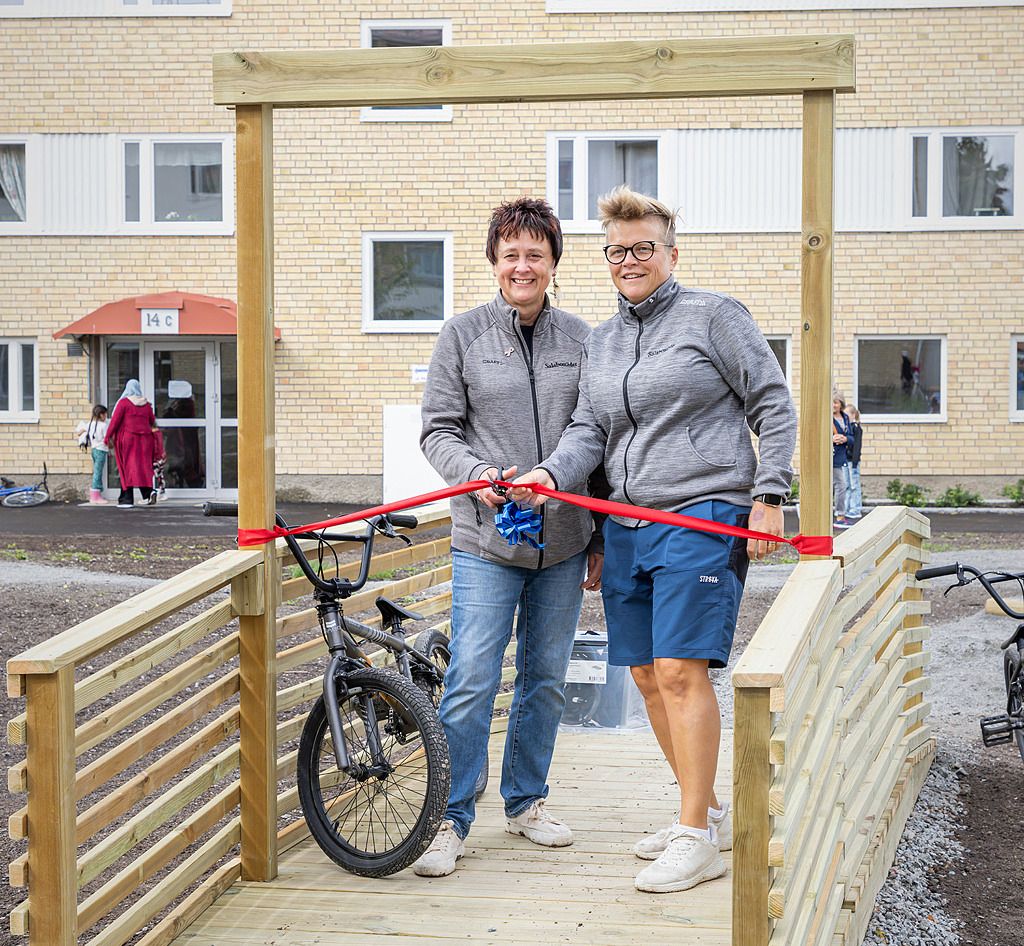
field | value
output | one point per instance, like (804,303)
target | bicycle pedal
(996,730)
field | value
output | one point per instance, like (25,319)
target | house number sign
(159,321)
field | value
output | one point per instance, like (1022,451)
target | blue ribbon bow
(517,524)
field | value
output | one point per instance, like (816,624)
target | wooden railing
(168,700)
(831,740)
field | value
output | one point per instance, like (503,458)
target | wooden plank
(139,661)
(98,634)
(184,913)
(256,505)
(247,592)
(51,807)
(537,72)
(777,643)
(885,524)
(816,312)
(153,858)
(751,827)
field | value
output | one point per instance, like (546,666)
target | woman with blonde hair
(673,386)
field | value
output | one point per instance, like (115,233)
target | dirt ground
(979,891)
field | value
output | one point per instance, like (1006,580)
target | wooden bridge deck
(610,787)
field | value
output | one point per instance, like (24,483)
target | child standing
(854,497)
(90,437)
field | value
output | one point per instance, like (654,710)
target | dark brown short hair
(526,213)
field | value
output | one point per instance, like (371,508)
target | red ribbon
(804,544)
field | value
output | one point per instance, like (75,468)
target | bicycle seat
(389,611)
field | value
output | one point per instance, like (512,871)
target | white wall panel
(81,190)
(872,179)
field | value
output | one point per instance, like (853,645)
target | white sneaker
(439,859)
(535,824)
(689,859)
(653,846)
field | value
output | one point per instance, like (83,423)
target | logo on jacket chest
(561,364)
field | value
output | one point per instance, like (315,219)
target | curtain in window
(976,177)
(611,163)
(12,177)
(187,153)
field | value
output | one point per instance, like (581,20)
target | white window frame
(34,175)
(576,7)
(668,170)
(16,370)
(147,170)
(412,114)
(788,367)
(35,9)
(369,323)
(933,219)
(939,418)
(1016,415)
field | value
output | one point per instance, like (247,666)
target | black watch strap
(770,499)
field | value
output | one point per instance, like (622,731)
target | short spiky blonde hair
(624,203)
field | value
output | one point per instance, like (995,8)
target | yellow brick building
(116,176)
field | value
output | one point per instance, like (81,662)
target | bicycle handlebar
(383,524)
(987,580)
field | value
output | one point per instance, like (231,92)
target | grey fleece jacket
(488,402)
(669,390)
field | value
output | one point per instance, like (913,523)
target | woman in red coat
(130,432)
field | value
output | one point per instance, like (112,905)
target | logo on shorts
(709,579)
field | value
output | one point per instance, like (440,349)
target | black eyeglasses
(641,251)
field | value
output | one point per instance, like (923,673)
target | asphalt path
(185,518)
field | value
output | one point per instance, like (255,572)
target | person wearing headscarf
(130,433)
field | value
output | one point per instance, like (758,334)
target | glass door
(180,384)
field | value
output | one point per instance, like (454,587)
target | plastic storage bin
(598,695)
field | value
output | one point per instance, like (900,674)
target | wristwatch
(770,499)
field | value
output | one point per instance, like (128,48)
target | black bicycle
(1009,727)
(373,769)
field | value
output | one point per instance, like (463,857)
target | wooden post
(913,620)
(53,888)
(751,876)
(256,506)
(816,315)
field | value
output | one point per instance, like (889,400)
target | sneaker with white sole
(653,846)
(439,859)
(689,859)
(535,824)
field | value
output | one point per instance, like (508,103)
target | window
(583,167)
(964,179)
(61,8)
(177,184)
(779,344)
(1017,378)
(377,34)
(13,190)
(901,378)
(407,280)
(19,388)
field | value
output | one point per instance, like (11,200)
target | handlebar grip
(403,520)
(937,571)
(221,509)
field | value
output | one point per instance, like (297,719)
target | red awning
(175,313)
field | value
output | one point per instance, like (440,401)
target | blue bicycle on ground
(35,495)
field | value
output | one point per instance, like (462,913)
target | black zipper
(528,358)
(629,413)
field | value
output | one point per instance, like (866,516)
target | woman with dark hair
(502,386)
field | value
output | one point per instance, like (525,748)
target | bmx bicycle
(35,495)
(373,770)
(1009,726)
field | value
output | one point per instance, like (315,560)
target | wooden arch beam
(541,72)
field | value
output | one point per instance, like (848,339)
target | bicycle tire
(378,826)
(435,646)
(1013,676)
(27,497)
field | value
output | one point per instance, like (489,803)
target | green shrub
(1015,491)
(794,490)
(906,494)
(958,495)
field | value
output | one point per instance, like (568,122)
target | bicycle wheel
(380,824)
(1014,676)
(435,646)
(27,497)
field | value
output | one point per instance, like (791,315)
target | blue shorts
(673,592)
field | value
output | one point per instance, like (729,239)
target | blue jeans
(99,463)
(854,497)
(485,596)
